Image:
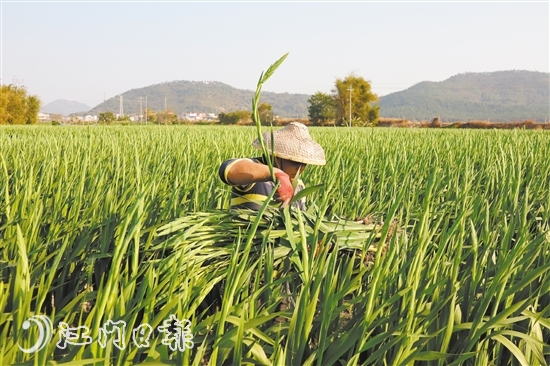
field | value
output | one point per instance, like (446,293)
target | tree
(33,107)
(150,116)
(321,108)
(106,117)
(364,107)
(124,119)
(167,117)
(265,110)
(235,117)
(174,119)
(16,107)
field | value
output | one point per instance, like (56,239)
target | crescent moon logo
(45,329)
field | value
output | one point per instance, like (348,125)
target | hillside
(64,107)
(497,96)
(208,97)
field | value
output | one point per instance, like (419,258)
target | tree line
(168,117)
(16,107)
(350,103)
(265,110)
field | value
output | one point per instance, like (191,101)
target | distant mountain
(497,96)
(201,96)
(64,107)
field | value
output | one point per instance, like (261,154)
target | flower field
(129,223)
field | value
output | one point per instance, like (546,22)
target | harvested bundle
(276,253)
(213,234)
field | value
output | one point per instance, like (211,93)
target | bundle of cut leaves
(289,231)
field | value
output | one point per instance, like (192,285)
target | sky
(89,51)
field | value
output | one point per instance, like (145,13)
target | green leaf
(306,191)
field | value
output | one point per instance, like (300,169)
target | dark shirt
(253,195)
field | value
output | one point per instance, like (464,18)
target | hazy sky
(88,51)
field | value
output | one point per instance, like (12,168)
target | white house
(43,117)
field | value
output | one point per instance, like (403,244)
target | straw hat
(293,143)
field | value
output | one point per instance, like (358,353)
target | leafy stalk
(268,153)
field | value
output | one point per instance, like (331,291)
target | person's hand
(285,190)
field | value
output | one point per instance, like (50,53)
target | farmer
(251,180)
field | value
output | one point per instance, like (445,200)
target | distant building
(199,116)
(190,116)
(43,117)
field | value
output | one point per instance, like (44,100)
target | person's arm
(245,172)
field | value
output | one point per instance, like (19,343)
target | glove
(285,190)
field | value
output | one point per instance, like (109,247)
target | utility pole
(146,112)
(350,89)
(121,108)
(140,111)
(165,110)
